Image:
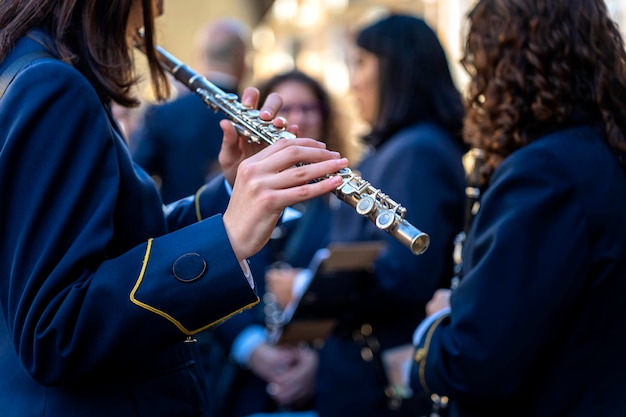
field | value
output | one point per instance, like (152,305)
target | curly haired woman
(536,327)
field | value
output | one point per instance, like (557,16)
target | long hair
(415,79)
(537,65)
(91,36)
(333,133)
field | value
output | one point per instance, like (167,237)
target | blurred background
(309,35)
(312,34)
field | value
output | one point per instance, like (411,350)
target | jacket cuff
(422,341)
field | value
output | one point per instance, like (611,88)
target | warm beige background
(182,17)
(320,36)
(312,34)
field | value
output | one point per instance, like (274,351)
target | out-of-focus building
(313,35)
(309,34)
(181,19)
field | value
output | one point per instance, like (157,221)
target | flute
(367,200)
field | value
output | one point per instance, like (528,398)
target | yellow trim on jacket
(422,353)
(163,314)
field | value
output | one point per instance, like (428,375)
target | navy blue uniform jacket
(96,296)
(179,142)
(537,324)
(421,168)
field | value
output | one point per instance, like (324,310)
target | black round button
(189,267)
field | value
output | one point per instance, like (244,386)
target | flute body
(367,200)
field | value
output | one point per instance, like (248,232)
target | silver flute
(368,201)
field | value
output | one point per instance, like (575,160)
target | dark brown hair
(334,134)
(537,65)
(90,35)
(415,81)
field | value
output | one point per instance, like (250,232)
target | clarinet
(473,162)
(367,200)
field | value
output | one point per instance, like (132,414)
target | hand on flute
(268,181)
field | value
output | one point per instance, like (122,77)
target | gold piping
(164,314)
(422,354)
(197,202)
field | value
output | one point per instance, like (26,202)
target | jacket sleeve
(209,200)
(91,281)
(525,262)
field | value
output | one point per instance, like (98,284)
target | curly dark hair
(536,65)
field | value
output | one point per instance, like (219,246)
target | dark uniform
(536,325)
(179,143)
(421,168)
(99,285)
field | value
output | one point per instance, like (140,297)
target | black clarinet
(473,162)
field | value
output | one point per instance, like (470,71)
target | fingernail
(246,101)
(338,179)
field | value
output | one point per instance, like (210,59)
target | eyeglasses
(306,109)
